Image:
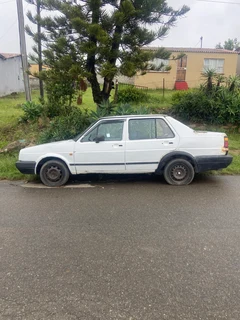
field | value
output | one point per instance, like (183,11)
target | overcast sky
(215,22)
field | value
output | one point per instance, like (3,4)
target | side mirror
(99,138)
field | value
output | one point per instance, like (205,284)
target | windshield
(82,133)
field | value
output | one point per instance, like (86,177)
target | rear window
(144,129)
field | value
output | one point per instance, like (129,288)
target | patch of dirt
(235,152)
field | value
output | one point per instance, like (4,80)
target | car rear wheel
(54,173)
(179,172)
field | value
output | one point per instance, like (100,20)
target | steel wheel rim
(179,172)
(53,173)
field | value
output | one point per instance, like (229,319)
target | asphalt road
(131,249)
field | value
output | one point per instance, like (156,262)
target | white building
(11,76)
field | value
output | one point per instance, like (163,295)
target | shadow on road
(133,178)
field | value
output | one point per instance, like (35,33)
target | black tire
(178,172)
(54,173)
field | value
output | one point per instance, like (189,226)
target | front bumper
(205,163)
(26,167)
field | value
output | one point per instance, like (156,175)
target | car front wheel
(179,172)
(54,173)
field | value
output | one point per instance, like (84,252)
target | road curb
(68,186)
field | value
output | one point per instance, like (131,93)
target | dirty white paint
(11,77)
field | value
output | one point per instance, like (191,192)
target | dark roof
(9,55)
(197,50)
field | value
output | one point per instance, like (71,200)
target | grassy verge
(11,130)
(7,167)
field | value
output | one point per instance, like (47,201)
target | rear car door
(149,139)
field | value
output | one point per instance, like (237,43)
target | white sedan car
(129,144)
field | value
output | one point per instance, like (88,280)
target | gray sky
(216,22)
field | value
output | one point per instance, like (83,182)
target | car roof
(135,116)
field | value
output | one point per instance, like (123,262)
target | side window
(110,130)
(163,130)
(141,129)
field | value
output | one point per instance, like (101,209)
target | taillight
(226,142)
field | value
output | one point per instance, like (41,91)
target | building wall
(120,78)
(195,64)
(238,65)
(154,79)
(34,69)
(11,77)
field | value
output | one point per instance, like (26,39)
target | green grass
(10,112)
(7,167)
(157,102)
(10,108)
(11,129)
(234,167)
(234,141)
(87,101)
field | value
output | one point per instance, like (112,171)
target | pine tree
(107,37)
(37,37)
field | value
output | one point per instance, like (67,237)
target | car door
(149,139)
(101,149)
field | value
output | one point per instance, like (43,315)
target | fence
(125,85)
(170,84)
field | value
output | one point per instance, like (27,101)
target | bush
(66,126)
(132,94)
(219,107)
(53,110)
(124,109)
(178,95)
(32,111)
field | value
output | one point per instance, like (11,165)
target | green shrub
(132,94)
(123,109)
(53,110)
(219,107)
(126,109)
(178,95)
(32,111)
(142,110)
(66,126)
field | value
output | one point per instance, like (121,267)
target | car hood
(59,146)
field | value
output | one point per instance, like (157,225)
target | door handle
(165,143)
(117,145)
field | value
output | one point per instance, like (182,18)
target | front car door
(149,139)
(102,148)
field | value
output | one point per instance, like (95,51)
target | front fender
(49,156)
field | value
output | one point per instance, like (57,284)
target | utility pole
(40,63)
(23,49)
(201,39)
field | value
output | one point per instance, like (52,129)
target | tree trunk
(96,91)
(107,87)
(91,59)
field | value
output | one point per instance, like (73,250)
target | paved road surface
(121,250)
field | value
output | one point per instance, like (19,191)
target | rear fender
(176,155)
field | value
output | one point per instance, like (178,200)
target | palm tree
(220,79)
(233,82)
(209,75)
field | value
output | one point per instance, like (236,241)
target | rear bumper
(205,163)
(26,167)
